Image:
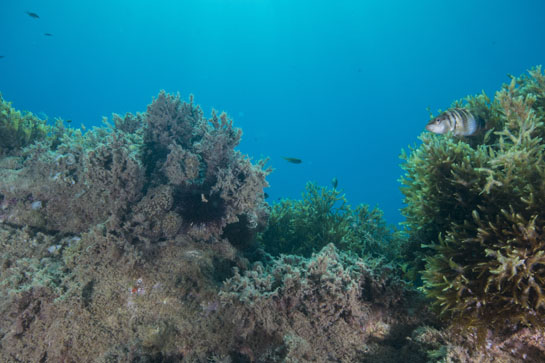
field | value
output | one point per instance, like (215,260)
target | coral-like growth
(194,174)
(323,216)
(17,129)
(477,204)
(151,177)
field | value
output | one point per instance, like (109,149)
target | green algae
(324,216)
(475,212)
(18,129)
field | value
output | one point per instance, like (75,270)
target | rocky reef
(150,176)
(328,307)
(81,213)
(149,240)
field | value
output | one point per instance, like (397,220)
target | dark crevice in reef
(197,207)
(240,236)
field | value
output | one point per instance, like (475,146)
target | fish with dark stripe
(459,121)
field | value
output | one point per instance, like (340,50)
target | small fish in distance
(2,56)
(334,183)
(292,160)
(48,34)
(459,121)
(32,15)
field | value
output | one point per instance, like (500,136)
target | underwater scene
(272,181)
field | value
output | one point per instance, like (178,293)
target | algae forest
(149,239)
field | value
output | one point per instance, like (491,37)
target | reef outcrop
(129,243)
(136,242)
(150,176)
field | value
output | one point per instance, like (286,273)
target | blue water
(343,85)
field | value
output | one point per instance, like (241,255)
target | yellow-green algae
(18,129)
(324,216)
(475,205)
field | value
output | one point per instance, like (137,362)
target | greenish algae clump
(475,206)
(324,216)
(17,129)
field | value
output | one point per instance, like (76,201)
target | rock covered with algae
(150,176)
(331,306)
(475,214)
(128,243)
(81,214)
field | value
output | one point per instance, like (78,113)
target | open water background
(343,85)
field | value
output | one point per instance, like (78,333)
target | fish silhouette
(32,15)
(292,160)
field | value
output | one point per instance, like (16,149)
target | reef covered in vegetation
(131,243)
(475,213)
(149,240)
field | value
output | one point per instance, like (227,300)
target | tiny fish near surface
(459,121)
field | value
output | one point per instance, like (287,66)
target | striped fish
(459,121)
